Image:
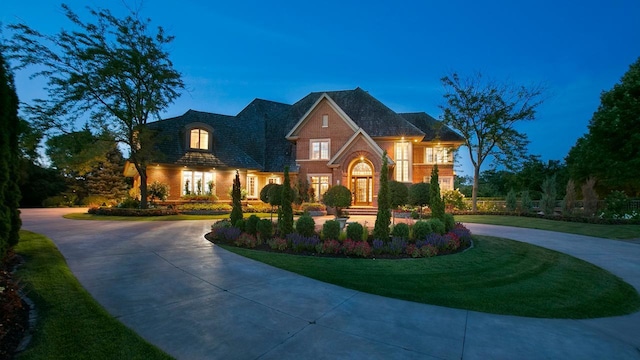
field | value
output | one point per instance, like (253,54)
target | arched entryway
(362,183)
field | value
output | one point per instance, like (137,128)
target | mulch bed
(14,312)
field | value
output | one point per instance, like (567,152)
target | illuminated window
(274,180)
(199,139)
(252,187)
(402,161)
(198,183)
(319,184)
(319,150)
(438,155)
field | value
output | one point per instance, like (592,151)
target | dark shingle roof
(171,142)
(256,137)
(431,127)
(375,118)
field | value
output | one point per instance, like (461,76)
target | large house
(327,138)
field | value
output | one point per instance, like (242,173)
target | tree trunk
(143,189)
(474,192)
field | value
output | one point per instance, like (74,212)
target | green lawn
(86,216)
(497,276)
(603,231)
(71,325)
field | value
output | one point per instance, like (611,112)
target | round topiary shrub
(449,222)
(265,229)
(437,226)
(251,225)
(331,230)
(305,225)
(355,231)
(338,197)
(400,230)
(421,229)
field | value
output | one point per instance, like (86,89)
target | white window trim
(448,160)
(325,120)
(409,160)
(330,182)
(312,141)
(256,192)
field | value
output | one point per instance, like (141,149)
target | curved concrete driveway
(197,301)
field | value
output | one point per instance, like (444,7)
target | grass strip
(597,230)
(86,216)
(71,324)
(498,276)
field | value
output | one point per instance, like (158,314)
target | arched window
(199,139)
(362,169)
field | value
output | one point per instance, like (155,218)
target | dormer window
(199,139)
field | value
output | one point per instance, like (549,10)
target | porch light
(361,158)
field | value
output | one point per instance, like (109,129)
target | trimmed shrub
(437,225)
(400,230)
(240,224)
(313,207)
(265,229)
(331,230)
(449,222)
(278,243)
(421,229)
(246,240)
(251,225)
(338,197)
(305,225)
(355,231)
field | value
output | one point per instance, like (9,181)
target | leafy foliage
(9,156)
(383,217)
(419,195)
(355,231)
(569,201)
(400,230)
(484,113)
(337,196)
(511,201)
(331,230)
(590,197)
(610,151)
(398,194)
(236,212)
(548,201)
(305,225)
(112,69)
(158,190)
(435,200)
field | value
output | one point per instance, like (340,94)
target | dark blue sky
(231,52)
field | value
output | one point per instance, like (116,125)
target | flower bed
(433,244)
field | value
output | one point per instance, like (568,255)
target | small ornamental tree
(590,197)
(419,195)
(158,190)
(338,197)
(525,202)
(383,218)
(398,194)
(285,223)
(569,201)
(548,201)
(435,201)
(236,212)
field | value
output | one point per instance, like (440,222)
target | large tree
(610,151)
(115,69)
(105,179)
(9,159)
(485,112)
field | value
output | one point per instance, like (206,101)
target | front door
(363,191)
(362,184)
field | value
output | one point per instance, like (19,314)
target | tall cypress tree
(286,221)
(383,218)
(435,200)
(9,155)
(236,212)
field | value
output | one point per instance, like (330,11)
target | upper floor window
(199,139)
(325,120)
(438,156)
(403,150)
(319,150)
